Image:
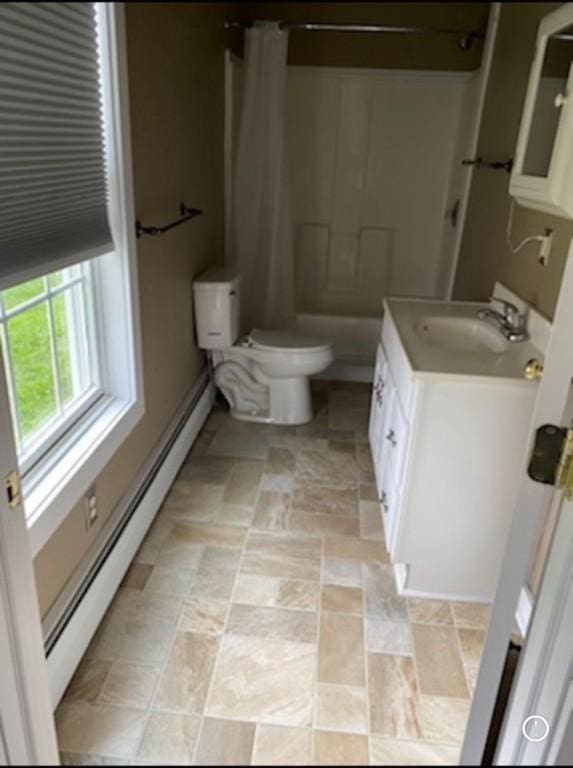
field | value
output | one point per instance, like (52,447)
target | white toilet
(263,375)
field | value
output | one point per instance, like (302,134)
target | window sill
(51,496)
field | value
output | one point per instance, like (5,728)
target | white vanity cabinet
(389,430)
(447,452)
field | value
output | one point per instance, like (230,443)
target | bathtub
(354,342)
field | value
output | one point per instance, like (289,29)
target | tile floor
(259,623)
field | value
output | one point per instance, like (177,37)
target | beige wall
(485,256)
(176,80)
(334,49)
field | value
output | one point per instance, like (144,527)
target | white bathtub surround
(261,234)
(368,221)
(354,341)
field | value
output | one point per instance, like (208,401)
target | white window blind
(53,192)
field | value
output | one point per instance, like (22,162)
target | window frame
(48,435)
(58,481)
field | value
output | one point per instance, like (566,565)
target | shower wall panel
(371,157)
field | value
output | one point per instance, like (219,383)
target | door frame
(27,727)
(544,677)
(533,500)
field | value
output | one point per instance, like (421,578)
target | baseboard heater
(71,623)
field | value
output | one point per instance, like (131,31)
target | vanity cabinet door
(389,503)
(395,439)
(379,397)
(380,453)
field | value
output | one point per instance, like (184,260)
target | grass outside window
(48,349)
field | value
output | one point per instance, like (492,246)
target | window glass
(50,353)
(21,294)
(32,370)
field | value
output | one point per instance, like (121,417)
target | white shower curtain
(261,239)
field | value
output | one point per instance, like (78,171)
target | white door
(542,697)
(27,734)
(545,649)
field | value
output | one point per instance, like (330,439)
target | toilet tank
(216,297)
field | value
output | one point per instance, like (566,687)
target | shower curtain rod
(465,38)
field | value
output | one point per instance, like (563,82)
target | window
(69,313)
(51,357)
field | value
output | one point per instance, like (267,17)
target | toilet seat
(284,341)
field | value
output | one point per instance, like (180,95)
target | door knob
(533,369)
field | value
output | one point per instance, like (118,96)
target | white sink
(447,337)
(461,334)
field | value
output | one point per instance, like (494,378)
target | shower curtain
(261,234)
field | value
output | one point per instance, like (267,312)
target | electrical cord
(532,239)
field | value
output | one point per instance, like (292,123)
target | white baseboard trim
(522,614)
(401,577)
(524,610)
(73,641)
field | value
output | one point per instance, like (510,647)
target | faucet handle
(510,311)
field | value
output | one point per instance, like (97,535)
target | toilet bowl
(263,375)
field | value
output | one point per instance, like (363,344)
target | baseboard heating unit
(71,623)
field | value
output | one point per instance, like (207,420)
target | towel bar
(186,215)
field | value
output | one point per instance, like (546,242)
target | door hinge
(13,489)
(552,458)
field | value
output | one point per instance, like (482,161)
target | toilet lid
(286,340)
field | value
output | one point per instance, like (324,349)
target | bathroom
(280,550)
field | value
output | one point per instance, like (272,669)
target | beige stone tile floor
(260,624)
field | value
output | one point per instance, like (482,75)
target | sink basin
(448,338)
(461,334)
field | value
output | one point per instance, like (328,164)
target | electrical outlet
(90,507)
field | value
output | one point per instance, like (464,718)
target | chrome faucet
(511,321)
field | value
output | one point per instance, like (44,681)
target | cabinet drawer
(395,438)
